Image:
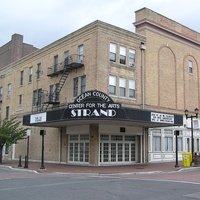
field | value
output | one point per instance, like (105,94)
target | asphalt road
(25,185)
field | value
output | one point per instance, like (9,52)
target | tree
(10,133)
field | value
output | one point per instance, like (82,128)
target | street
(25,185)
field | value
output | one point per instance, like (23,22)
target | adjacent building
(104,95)
(14,50)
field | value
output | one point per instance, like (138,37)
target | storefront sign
(37,118)
(162,118)
(93,104)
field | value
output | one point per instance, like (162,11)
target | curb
(19,169)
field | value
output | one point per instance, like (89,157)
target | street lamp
(28,133)
(192,136)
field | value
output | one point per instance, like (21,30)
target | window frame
(75,86)
(112,87)
(112,52)
(9,90)
(122,55)
(37,98)
(20,100)
(83,84)
(80,53)
(21,80)
(190,67)
(122,87)
(131,89)
(132,58)
(30,75)
(38,72)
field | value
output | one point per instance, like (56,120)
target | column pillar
(94,144)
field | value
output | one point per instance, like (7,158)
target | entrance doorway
(79,148)
(117,149)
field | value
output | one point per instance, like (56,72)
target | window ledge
(121,66)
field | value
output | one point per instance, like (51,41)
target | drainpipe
(142,48)
(143,138)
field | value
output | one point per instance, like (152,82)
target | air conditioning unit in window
(132,65)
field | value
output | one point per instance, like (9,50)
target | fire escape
(72,62)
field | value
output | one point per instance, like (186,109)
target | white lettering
(95,112)
(101,95)
(83,96)
(86,112)
(113,105)
(73,113)
(90,105)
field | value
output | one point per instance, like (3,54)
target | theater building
(106,96)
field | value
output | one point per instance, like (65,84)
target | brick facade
(162,82)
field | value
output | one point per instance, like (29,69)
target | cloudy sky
(41,22)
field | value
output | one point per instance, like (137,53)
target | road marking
(53,184)
(193,195)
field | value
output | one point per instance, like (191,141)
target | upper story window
(21,80)
(113,51)
(38,72)
(53,94)
(83,84)
(190,66)
(131,88)
(122,57)
(9,89)
(55,63)
(66,54)
(75,87)
(79,85)
(112,85)
(122,87)
(7,112)
(30,74)
(126,55)
(20,100)
(80,53)
(131,58)
(37,97)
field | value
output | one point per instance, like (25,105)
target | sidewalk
(65,168)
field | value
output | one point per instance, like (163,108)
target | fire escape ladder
(60,84)
(55,95)
(70,63)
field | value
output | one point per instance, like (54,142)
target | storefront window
(156,143)
(168,143)
(117,148)
(79,148)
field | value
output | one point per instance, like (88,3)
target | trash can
(186,159)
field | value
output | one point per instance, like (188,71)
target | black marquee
(96,106)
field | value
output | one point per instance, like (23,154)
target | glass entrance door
(117,149)
(79,148)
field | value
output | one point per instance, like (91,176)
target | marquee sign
(162,118)
(96,105)
(38,118)
(93,104)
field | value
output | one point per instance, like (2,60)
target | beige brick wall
(168,84)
